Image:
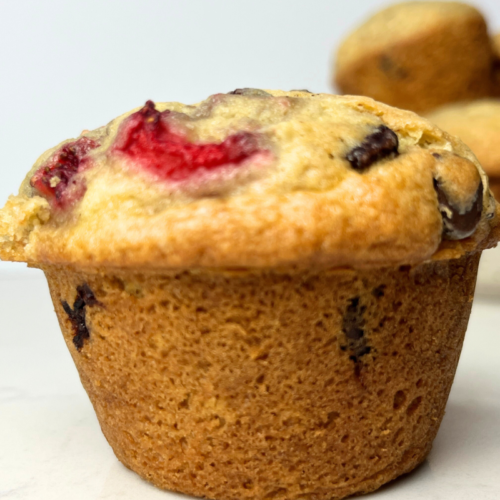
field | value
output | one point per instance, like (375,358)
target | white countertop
(51,447)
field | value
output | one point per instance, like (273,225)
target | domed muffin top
(401,22)
(252,178)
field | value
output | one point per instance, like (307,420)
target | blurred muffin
(478,124)
(418,55)
(265,294)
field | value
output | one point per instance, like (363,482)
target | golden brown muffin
(478,124)
(265,294)
(418,55)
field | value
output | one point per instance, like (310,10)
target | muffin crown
(400,22)
(252,179)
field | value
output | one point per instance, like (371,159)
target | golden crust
(418,55)
(306,207)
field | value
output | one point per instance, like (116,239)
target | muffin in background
(477,123)
(418,56)
(265,294)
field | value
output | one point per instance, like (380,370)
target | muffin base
(268,385)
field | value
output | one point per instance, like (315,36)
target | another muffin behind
(418,55)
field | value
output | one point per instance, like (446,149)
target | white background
(69,65)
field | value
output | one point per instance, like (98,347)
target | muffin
(265,294)
(477,123)
(418,55)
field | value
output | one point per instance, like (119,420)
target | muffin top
(477,123)
(400,23)
(252,178)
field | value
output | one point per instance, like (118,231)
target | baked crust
(253,385)
(302,205)
(418,56)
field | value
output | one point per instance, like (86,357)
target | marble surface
(51,446)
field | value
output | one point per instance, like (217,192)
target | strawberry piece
(55,180)
(148,139)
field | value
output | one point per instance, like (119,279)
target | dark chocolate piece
(353,328)
(456,225)
(85,297)
(250,92)
(377,146)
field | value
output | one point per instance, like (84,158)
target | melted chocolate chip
(85,297)
(250,92)
(456,225)
(353,328)
(377,146)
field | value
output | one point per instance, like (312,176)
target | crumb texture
(260,385)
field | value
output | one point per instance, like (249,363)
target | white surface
(51,447)
(488,278)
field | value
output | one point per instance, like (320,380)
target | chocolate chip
(437,155)
(377,146)
(353,328)
(85,297)
(250,92)
(456,225)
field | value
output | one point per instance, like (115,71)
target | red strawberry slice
(148,139)
(55,180)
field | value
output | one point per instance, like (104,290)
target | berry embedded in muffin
(56,179)
(147,138)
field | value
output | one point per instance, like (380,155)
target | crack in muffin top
(252,178)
